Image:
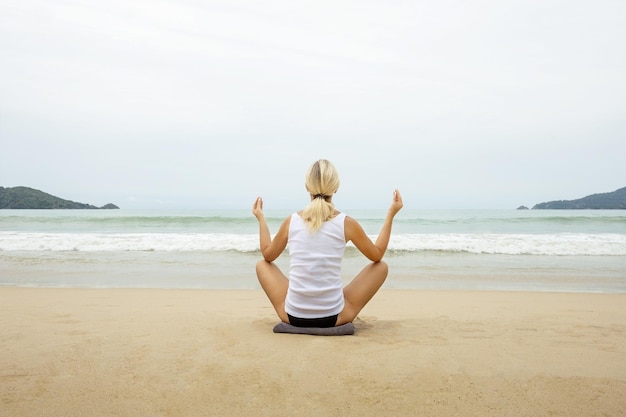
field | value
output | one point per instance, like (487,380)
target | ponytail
(322,181)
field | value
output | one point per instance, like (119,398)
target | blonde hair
(322,181)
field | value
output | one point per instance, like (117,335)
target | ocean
(514,250)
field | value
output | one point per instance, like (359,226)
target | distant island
(29,198)
(615,200)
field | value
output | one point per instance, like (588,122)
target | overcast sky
(207,104)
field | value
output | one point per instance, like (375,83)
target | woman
(313,295)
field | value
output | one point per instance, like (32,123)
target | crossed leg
(356,294)
(361,290)
(275,285)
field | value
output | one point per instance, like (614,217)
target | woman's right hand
(396,203)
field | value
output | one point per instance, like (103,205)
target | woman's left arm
(271,249)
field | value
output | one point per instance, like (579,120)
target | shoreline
(424,288)
(236,271)
(179,352)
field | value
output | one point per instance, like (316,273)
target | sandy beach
(156,352)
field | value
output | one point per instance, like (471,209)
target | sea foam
(480,243)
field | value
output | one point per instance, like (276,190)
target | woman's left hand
(257,208)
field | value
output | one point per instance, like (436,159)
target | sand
(150,352)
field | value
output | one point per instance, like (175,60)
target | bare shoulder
(351,224)
(285,224)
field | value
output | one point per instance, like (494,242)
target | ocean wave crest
(508,244)
(563,244)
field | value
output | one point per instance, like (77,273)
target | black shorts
(330,321)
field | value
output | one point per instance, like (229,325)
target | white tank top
(315,287)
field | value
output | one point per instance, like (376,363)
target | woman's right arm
(374,251)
